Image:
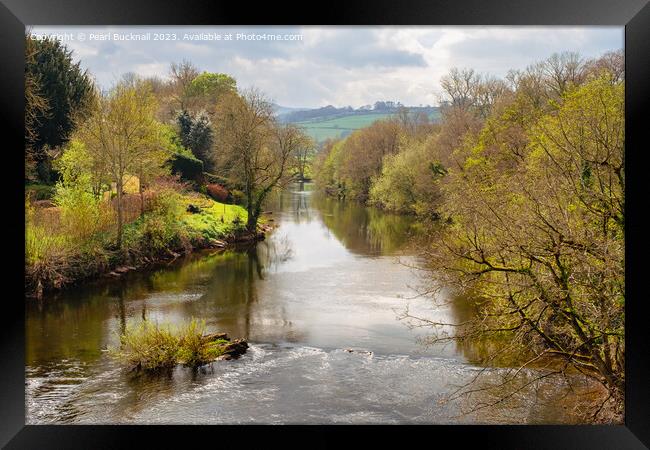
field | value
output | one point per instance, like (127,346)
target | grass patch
(150,346)
(215,220)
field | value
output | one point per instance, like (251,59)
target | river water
(319,302)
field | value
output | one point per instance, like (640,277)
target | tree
(363,153)
(208,88)
(415,124)
(36,104)
(303,155)
(181,75)
(151,161)
(123,136)
(611,63)
(254,150)
(327,164)
(469,91)
(58,96)
(541,240)
(197,136)
(409,180)
(78,190)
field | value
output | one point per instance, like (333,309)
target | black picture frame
(633,14)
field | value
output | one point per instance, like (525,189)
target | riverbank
(172,226)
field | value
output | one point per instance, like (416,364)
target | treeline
(329,111)
(119,176)
(352,166)
(527,178)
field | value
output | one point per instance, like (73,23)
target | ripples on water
(270,384)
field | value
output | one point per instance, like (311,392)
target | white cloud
(343,65)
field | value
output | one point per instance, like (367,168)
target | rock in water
(235,348)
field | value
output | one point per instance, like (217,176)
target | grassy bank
(68,243)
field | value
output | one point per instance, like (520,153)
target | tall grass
(148,346)
(152,346)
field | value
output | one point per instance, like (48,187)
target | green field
(321,129)
(335,127)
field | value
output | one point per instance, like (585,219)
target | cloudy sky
(331,65)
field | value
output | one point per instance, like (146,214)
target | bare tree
(182,74)
(253,148)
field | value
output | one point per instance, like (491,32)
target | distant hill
(282,110)
(331,122)
(324,128)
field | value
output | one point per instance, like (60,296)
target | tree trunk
(251,223)
(141,196)
(141,203)
(119,213)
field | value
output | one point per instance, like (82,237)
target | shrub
(187,166)
(217,192)
(80,212)
(161,228)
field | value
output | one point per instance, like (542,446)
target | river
(319,301)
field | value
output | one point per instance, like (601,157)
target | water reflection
(364,231)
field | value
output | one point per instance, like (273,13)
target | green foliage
(409,180)
(537,209)
(58,251)
(349,166)
(80,211)
(124,139)
(41,246)
(255,151)
(171,140)
(182,162)
(211,85)
(193,349)
(74,165)
(160,229)
(327,166)
(185,122)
